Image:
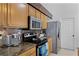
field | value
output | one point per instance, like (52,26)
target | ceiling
(62,9)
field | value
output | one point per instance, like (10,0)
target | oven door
(43,50)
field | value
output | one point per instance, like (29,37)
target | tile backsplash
(10,31)
(4,32)
(7,31)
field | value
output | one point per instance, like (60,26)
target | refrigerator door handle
(58,35)
(73,35)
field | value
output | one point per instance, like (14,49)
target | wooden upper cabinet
(15,15)
(38,14)
(4,15)
(18,15)
(0,14)
(32,11)
(44,21)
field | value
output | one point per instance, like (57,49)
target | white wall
(65,10)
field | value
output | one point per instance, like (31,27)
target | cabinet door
(4,15)
(44,21)
(30,52)
(9,15)
(50,45)
(18,15)
(31,11)
(0,14)
(38,14)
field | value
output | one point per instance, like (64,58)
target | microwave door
(32,22)
(38,24)
(35,23)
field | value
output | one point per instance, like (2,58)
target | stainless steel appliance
(53,31)
(16,39)
(34,23)
(2,34)
(43,49)
(1,38)
(11,40)
(7,40)
(41,43)
(28,37)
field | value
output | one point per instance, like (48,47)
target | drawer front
(30,52)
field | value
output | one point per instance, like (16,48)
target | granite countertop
(14,51)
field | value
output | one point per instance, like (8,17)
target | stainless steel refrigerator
(53,31)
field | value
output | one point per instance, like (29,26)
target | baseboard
(68,49)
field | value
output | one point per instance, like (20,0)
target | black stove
(34,39)
(40,42)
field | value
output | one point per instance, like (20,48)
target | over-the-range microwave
(34,23)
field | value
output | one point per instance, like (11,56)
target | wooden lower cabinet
(49,45)
(77,51)
(30,52)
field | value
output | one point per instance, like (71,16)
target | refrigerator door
(58,36)
(53,31)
